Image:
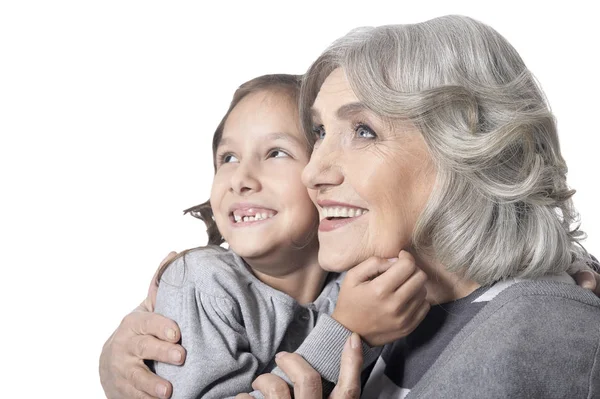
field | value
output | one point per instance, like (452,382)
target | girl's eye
(319,132)
(277,153)
(365,132)
(228,158)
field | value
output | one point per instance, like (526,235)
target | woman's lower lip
(329,225)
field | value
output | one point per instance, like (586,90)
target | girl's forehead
(263,113)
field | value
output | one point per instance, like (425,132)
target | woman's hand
(383,300)
(141,335)
(589,280)
(307,382)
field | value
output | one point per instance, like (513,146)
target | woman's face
(259,203)
(370,178)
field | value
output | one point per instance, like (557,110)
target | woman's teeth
(258,216)
(341,212)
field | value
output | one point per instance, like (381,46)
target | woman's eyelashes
(360,130)
(319,131)
(363,131)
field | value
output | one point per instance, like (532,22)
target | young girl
(237,308)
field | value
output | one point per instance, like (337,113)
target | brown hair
(284,83)
(289,84)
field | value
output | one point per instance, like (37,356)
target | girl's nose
(245,180)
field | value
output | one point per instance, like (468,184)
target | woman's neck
(443,286)
(296,272)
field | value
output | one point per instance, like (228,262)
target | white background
(107,110)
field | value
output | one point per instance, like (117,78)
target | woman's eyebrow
(347,111)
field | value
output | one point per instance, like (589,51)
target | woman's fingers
(147,323)
(140,336)
(143,381)
(589,280)
(306,381)
(348,386)
(147,347)
(272,386)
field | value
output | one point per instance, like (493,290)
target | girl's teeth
(258,216)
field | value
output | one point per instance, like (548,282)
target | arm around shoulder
(219,362)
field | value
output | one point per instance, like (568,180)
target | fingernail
(171,333)
(588,285)
(175,356)
(161,390)
(392,260)
(354,341)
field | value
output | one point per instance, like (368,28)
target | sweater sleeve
(322,349)
(219,362)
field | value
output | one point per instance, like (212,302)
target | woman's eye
(364,131)
(319,132)
(277,154)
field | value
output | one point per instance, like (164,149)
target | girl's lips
(251,219)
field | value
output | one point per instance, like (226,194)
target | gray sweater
(534,339)
(232,324)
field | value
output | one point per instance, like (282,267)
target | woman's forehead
(333,94)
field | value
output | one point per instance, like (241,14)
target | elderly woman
(440,135)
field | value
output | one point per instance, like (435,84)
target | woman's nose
(324,168)
(245,179)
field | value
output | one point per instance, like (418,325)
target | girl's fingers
(348,386)
(368,270)
(412,287)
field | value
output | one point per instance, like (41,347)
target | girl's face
(260,205)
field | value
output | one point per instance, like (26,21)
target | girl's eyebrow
(284,136)
(270,137)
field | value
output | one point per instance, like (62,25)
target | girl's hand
(383,300)
(307,382)
(141,335)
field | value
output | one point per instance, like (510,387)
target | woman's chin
(335,263)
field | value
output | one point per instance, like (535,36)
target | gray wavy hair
(501,206)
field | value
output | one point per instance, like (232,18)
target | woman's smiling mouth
(335,215)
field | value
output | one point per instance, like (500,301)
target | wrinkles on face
(370,162)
